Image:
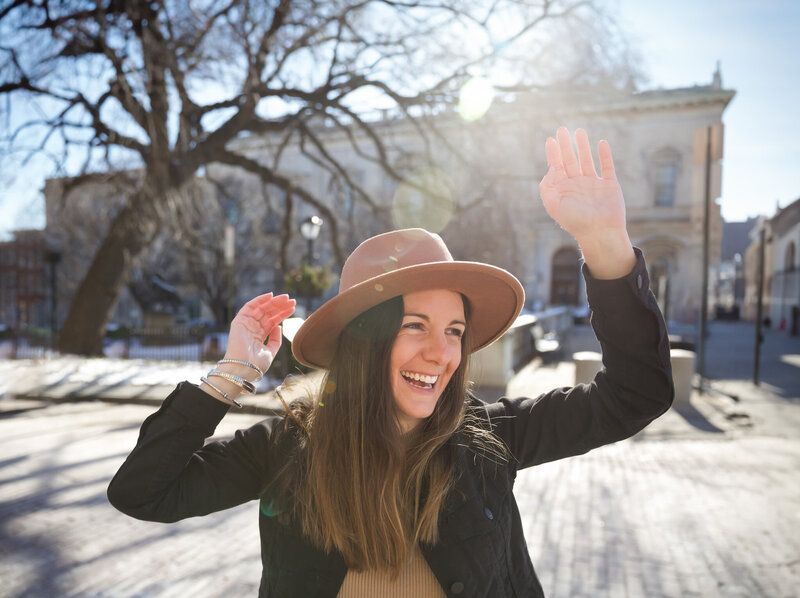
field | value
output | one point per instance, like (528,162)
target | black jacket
(170,475)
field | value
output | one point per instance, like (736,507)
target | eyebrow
(427,319)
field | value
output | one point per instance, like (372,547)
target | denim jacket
(481,552)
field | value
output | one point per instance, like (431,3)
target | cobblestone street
(705,502)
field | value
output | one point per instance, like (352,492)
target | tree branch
(270,176)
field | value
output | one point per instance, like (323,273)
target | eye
(413,325)
(455,332)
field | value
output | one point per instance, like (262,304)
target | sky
(756,43)
(680,42)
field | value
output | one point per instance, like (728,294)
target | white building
(781,291)
(477,184)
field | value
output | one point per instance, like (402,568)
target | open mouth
(422,381)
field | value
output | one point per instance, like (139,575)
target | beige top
(415,580)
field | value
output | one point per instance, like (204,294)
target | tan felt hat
(401,262)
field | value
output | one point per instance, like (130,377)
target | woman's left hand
(573,194)
(590,207)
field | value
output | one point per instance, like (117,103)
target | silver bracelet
(245,385)
(224,394)
(247,363)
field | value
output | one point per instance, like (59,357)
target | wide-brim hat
(401,262)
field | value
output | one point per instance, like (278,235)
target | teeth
(420,377)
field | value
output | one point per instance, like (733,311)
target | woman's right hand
(257,321)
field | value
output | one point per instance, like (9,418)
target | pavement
(704,502)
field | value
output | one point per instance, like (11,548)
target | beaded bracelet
(247,363)
(224,394)
(245,385)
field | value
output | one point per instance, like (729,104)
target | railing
(496,364)
(173,344)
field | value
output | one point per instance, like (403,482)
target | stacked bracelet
(245,385)
(247,363)
(222,393)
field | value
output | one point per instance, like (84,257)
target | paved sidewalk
(705,502)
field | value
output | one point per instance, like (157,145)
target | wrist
(608,256)
(222,390)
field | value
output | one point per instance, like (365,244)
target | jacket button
(457,588)
(488,512)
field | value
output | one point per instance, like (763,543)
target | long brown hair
(360,486)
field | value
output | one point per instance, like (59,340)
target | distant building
(77,217)
(781,288)
(494,164)
(730,292)
(785,289)
(23,280)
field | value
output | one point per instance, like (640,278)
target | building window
(790,262)
(664,168)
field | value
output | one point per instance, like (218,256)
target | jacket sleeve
(171,474)
(634,387)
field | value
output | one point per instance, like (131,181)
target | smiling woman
(425,353)
(394,480)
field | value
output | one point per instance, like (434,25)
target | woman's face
(425,353)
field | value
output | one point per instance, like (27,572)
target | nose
(437,349)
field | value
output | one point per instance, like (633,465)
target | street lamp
(309,229)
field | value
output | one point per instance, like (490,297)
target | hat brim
(495,297)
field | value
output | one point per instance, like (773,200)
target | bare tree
(166,86)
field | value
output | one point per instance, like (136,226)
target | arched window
(789,261)
(664,168)
(564,280)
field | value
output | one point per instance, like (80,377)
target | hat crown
(392,251)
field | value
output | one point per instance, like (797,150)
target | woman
(394,481)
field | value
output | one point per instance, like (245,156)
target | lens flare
(475,98)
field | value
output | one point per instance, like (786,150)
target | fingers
(553,153)
(277,302)
(278,317)
(250,308)
(606,161)
(561,155)
(263,304)
(274,339)
(584,153)
(569,160)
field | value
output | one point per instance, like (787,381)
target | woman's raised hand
(257,321)
(589,207)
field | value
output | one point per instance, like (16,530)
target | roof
(786,217)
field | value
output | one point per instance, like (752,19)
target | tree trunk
(93,305)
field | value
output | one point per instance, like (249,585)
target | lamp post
(309,229)
(229,255)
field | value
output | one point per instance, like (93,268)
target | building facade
(781,286)
(24,289)
(474,182)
